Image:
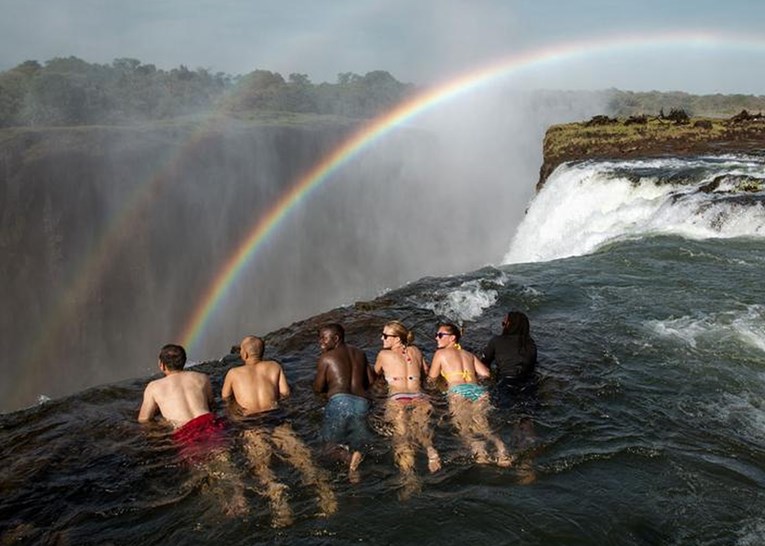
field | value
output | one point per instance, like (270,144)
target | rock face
(608,138)
(107,233)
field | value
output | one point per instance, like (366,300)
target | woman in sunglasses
(468,401)
(407,408)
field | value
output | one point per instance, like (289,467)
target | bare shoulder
(198,376)
(385,356)
(355,350)
(152,386)
(272,366)
(358,356)
(327,357)
(235,371)
(415,350)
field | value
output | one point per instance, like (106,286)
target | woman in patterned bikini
(407,408)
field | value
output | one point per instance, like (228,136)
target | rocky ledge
(635,137)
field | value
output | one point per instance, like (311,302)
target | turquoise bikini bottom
(470,391)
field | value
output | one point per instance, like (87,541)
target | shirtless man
(259,384)
(468,401)
(257,387)
(184,399)
(343,372)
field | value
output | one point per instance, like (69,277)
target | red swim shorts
(200,437)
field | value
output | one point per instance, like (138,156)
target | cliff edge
(641,136)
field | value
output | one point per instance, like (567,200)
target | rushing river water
(648,412)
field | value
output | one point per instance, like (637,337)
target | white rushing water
(463,304)
(746,325)
(587,205)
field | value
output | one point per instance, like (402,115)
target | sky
(418,41)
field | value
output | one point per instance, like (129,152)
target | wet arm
(435,368)
(529,360)
(370,371)
(320,381)
(481,370)
(227,391)
(209,394)
(284,387)
(379,365)
(487,355)
(149,406)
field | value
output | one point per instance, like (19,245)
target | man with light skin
(468,401)
(259,384)
(256,387)
(184,399)
(343,372)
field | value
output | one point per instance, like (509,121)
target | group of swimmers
(253,390)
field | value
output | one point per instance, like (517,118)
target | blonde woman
(407,408)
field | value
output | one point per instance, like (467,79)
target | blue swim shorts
(345,421)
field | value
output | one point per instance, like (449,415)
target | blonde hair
(400,331)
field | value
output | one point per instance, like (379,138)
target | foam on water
(746,325)
(745,413)
(462,304)
(685,329)
(753,534)
(585,206)
(750,326)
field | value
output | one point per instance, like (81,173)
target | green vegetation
(70,92)
(585,137)
(628,103)
(644,136)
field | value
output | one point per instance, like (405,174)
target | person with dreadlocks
(514,353)
(513,350)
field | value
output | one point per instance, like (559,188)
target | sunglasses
(439,335)
(386,336)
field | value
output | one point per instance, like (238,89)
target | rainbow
(428,100)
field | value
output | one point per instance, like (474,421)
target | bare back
(457,366)
(179,397)
(343,369)
(256,386)
(403,372)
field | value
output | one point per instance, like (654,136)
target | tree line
(70,91)
(629,103)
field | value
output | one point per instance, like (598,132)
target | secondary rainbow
(379,127)
(89,272)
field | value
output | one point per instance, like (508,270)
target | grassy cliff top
(641,136)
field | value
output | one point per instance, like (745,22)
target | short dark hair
(336,329)
(173,357)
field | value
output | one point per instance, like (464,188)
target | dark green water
(648,422)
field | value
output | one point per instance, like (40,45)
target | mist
(91,299)
(112,235)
